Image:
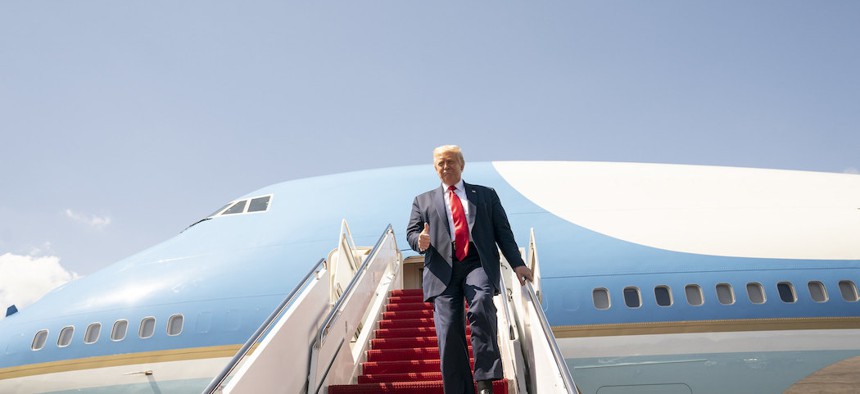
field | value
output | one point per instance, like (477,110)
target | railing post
(534,263)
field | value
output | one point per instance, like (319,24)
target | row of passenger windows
(118,332)
(725,294)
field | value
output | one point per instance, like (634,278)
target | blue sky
(123,122)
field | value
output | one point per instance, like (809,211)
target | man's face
(449,167)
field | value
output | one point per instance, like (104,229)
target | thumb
(426,228)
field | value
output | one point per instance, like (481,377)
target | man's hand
(424,238)
(523,274)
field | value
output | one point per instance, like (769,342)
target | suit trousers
(469,282)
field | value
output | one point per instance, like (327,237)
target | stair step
(421,353)
(400,377)
(407,292)
(419,387)
(406,366)
(409,332)
(419,314)
(409,306)
(404,323)
(401,343)
(405,299)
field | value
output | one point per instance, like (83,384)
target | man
(457,227)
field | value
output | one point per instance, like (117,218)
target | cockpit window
(259,204)
(219,210)
(255,204)
(238,207)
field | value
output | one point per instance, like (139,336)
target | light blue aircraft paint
(622,247)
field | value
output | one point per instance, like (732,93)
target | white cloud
(98,222)
(25,279)
(851,170)
(36,251)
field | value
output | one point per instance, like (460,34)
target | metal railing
(533,263)
(507,309)
(264,327)
(335,311)
(349,304)
(556,352)
(510,345)
(535,298)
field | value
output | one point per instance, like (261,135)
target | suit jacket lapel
(472,196)
(439,203)
(443,237)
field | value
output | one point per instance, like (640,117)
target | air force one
(651,278)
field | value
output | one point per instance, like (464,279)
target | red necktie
(461,227)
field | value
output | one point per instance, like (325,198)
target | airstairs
(357,323)
(404,357)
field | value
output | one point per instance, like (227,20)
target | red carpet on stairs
(403,357)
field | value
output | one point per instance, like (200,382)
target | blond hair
(449,148)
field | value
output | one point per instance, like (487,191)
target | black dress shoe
(485,387)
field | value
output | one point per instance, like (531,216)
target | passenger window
(848,290)
(65,338)
(174,325)
(259,204)
(238,207)
(725,294)
(817,291)
(39,340)
(119,330)
(755,291)
(93,332)
(147,327)
(632,297)
(663,295)
(786,292)
(694,295)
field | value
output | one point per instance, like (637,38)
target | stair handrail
(512,343)
(507,309)
(556,352)
(346,234)
(318,373)
(534,264)
(264,327)
(335,311)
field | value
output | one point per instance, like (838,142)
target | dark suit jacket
(488,227)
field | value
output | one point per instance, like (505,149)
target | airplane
(654,278)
